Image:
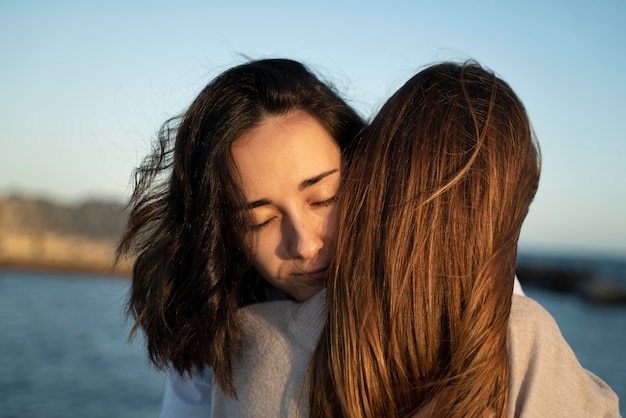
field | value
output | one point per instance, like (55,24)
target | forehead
(282,151)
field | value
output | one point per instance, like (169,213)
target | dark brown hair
(192,271)
(432,203)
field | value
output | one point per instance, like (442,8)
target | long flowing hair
(192,268)
(432,203)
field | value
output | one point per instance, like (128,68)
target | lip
(318,274)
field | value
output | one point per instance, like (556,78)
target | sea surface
(64,349)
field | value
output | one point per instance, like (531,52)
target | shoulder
(188,396)
(301,321)
(546,378)
(527,316)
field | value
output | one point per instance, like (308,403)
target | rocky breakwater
(595,281)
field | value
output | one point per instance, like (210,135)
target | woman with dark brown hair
(235,205)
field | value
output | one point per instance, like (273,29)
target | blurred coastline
(41,235)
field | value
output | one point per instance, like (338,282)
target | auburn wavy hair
(434,196)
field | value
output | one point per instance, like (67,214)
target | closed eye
(324,203)
(258,227)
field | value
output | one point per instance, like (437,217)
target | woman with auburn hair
(419,308)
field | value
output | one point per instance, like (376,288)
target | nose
(305,237)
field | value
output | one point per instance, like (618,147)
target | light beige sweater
(546,378)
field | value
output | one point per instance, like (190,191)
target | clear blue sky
(85,85)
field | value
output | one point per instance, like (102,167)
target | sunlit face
(290,171)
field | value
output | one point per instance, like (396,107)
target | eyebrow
(303,185)
(258,203)
(310,182)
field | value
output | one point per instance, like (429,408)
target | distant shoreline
(43,236)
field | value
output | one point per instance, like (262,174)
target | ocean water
(63,348)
